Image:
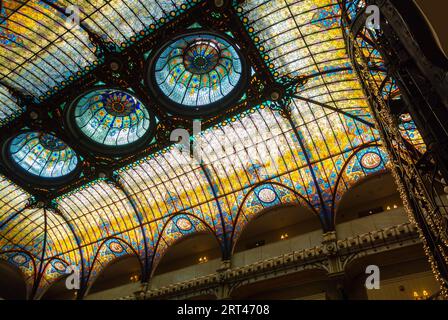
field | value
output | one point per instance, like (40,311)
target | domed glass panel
(112,117)
(43,155)
(198,69)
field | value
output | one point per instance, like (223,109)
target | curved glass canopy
(111,117)
(318,156)
(198,69)
(42,155)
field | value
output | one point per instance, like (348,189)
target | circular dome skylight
(42,155)
(109,121)
(111,117)
(198,72)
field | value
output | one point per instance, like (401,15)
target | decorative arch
(176,228)
(144,254)
(53,271)
(25,263)
(110,250)
(74,257)
(361,164)
(261,197)
(98,212)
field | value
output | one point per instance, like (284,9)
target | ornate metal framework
(421,178)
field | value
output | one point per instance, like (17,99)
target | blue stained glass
(43,155)
(327,17)
(112,117)
(198,70)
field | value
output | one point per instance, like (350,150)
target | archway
(402,272)
(276,224)
(371,195)
(185,242)
(272,209)
(115,265)
(190,250)
(122,271)
(58,291)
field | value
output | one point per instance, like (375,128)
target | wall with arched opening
(402,272)
(21,266)
(116,264)
(360,165)
(120,277)
(371,204)
(376,194)
(58,291)
(52,282)
(287,220)
(188,243)
(272,220)
(275,231)
(260,200)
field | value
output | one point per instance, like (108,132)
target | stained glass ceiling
(111,117)
(40,53)
(198,70)
(42,155)
(253,160)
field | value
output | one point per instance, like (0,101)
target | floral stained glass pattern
(112,117)
(198,69)
(43,155)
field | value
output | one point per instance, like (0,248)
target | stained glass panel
(98,211)
(111,117)
(42,155)
(199,69)
(12,199)
(410,132)
(296,37)
(38,51)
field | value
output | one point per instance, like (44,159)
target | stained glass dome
(111,117)
(42,155)
(198,70)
